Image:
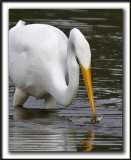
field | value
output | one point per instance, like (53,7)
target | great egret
(42,63)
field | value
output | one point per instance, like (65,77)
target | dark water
(69,129)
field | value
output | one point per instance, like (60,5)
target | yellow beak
(88,84)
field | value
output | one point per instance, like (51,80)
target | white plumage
(42,63)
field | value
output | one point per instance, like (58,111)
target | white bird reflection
(43,130)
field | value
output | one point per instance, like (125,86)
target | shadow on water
(69,129)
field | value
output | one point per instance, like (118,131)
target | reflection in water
(86,142)
(43,130)
(21,112)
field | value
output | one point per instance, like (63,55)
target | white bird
(42,63)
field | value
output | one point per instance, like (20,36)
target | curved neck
(73,73)
(64,94)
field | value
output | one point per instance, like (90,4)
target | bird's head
(84,57)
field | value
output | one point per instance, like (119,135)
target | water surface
(33,128)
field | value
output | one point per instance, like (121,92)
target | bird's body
(42,63)
(28,64)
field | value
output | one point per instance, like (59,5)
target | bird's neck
(64,94)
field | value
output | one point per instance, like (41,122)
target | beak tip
(96,119)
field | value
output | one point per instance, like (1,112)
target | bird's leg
(50,102)
(20,97)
